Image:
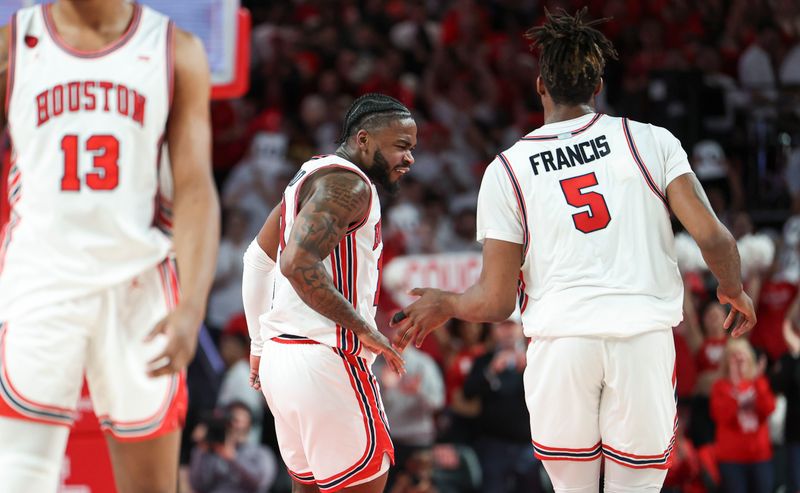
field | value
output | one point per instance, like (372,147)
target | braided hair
(573,55)
(372,111)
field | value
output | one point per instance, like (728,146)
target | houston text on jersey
(90,95)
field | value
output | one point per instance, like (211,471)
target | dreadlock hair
(573,55)
(372,111)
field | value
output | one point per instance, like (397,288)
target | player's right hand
(180,328)
(379,344)
(741,305)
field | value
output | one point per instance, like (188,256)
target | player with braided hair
(313,319)
(575,224)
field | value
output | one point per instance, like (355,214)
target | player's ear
(362,140)
(599,87)
(540,89)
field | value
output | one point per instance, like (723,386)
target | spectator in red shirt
(709,356)
(741,402)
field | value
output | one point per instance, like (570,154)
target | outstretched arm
(690,204)
(196,206)
(334,202)
(491,299)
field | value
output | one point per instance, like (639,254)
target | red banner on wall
(449,271)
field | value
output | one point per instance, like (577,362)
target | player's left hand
(255,381)
(420,318)
(180,328)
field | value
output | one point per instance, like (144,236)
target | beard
(379,173)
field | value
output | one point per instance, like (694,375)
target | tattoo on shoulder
(338,199)
(345,190)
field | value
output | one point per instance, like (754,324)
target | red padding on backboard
(241,78)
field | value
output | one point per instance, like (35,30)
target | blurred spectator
(711,352)
(757,66)
(686,468)
(224,461)
(225,299)
(504,443)
(467,346)
(411,401)
(235,387)
(713,170)
(741,402)
(256,184)
(774,302)
(787,382)
(417,475)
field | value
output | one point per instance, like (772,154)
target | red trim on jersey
(170,62)
(119,43)
(523,210)
(170,416)
(12,51)
(169,283)
(572,132)
(640,164)
(11,198)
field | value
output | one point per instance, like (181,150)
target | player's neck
(346,153)
(98,15)
(560,113)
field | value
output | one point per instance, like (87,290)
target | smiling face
(387,151)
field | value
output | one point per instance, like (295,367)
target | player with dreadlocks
(575,224)
(316,331)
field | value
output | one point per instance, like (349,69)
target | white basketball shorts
(615,397)
(329,419)
(44,356)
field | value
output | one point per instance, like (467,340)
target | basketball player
(93,92)
(319,338)
(575,224)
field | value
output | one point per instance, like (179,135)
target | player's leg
(373,486)
(624,479)
(148,465)
(329,420)
(31,455)
(41,374)
(638,414)
(562,391)
(142,416)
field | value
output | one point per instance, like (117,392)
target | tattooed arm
(329,206)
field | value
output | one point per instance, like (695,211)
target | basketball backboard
(222,25)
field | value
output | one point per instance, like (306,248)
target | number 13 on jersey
(597,217)
(105,156)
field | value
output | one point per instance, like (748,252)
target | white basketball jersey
(586,199)
(354,265)
(87,131)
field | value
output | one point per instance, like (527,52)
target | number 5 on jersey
(597,217)
(105,175)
